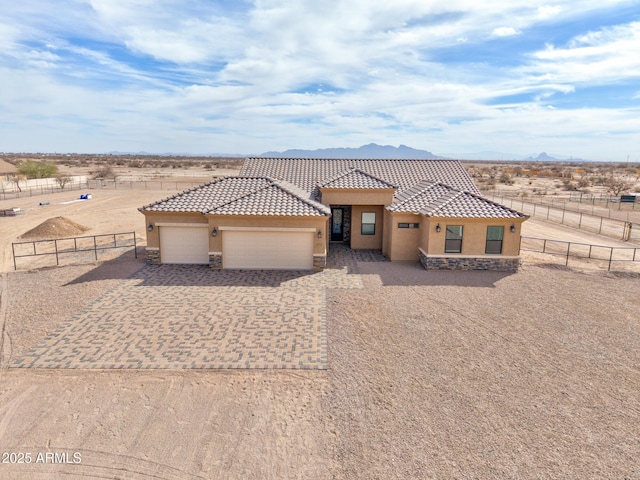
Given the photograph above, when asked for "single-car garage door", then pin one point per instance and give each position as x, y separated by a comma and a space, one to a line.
184, 244
268, 250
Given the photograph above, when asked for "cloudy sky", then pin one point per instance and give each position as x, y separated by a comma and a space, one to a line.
234, 76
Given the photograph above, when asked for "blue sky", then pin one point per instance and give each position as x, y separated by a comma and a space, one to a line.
198, 76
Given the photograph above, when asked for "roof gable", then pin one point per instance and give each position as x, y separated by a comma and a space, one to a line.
355, 178
273, 200
242, 196
438, 200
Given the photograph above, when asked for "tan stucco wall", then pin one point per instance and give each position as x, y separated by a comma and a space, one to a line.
403, 242
386, 237
356, 196
317, 223
153, 237
359, 241
215, 243
474, 235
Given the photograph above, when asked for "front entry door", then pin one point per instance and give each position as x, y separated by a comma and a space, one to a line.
337, 224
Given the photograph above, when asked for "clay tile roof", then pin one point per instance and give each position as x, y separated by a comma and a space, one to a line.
467, 205
273, 200
307, 173
208, 196
439, 200
241, 196
356, 179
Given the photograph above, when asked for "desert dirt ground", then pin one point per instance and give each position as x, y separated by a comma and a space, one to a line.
533, 375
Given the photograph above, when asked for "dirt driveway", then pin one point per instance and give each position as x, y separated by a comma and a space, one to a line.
430, 375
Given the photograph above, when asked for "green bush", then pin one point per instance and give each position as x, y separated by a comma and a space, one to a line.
34, 169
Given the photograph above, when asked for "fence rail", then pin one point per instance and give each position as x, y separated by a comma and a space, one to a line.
73, 245
148, 184
8, 194
169, 185
603, 253
603, 225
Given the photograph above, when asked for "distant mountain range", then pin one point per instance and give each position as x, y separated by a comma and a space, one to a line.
371, 150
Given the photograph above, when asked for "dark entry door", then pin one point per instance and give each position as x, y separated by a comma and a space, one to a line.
337, 224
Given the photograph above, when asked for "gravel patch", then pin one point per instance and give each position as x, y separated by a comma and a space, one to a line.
40, 301
485, 375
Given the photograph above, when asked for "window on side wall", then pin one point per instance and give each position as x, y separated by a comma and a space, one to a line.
453, 240
368, 223
494, 240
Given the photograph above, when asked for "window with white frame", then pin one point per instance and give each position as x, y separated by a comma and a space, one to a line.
368, 226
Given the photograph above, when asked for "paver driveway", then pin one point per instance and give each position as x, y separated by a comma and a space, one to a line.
179, 316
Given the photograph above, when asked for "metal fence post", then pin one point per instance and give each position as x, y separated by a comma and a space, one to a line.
610, 259
55, 246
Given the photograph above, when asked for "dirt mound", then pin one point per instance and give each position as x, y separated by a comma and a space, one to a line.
57, 227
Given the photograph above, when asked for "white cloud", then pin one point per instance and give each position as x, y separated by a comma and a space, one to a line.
601, 56
548, 11
505, 31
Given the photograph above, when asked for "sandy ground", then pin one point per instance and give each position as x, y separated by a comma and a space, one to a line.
109, 211
533, 375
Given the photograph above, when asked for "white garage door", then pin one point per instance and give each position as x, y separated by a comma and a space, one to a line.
184, 244
267, 250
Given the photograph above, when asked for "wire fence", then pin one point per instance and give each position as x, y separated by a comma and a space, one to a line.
168, 185
562, 213
624, 202
75, 249
601, 254
8, 194
178, 185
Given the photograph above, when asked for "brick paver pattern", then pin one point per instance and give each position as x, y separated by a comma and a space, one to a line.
188, 316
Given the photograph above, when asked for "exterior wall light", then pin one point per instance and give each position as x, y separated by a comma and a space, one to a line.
513, 228
438, 228
150, 227
214, 232
319, 233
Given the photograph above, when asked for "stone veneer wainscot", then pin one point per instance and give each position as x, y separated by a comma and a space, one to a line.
441, 262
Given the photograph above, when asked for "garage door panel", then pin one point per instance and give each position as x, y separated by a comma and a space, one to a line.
185, 245
267, 250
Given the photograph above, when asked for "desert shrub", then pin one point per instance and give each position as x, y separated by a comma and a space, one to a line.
34, 169
62, 180
506, 179
584, 183
105, 173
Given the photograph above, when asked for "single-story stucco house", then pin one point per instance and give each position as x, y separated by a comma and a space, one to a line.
284, 213
7, 171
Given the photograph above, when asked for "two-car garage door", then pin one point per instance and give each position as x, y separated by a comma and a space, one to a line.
261, 249
268, 250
